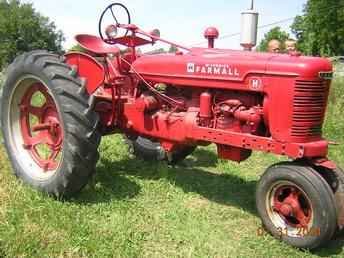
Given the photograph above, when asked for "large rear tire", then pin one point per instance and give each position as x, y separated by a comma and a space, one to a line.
296, 205
49, 125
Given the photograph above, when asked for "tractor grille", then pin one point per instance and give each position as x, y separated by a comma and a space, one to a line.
309, 108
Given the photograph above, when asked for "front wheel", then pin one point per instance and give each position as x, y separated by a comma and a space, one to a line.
296, 205
49, 125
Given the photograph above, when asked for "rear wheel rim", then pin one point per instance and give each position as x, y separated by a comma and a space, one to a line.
35, 128
289, 209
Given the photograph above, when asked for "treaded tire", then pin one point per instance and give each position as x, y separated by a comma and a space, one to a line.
335, 179
152, 151
78, 119
319, 194
339, 194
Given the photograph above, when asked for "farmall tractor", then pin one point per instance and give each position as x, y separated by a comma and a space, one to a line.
56, 108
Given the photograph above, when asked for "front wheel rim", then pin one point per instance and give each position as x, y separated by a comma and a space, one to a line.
289, 209
35, 128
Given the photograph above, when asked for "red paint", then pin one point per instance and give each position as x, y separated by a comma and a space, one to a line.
293, 206
46, 132
96, 45
205, 105
88, 68
240, 100
211, 33
233, 153
130, 41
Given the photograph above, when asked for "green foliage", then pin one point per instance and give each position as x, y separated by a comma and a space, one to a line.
77, 48
156, 51
320, 29
274, 33
23, 29
172, 49
2, 78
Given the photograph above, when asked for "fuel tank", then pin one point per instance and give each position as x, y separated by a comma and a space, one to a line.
218, 68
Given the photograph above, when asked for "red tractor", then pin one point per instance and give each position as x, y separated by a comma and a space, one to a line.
56, 108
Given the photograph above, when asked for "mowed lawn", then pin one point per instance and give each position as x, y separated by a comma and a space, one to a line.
203, 207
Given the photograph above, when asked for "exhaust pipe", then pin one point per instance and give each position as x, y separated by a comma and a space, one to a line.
249, 28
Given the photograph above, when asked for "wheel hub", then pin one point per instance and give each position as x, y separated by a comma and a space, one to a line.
293, 206
40, 127
286, 210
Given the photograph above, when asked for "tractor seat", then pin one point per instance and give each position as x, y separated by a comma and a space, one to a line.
96, 45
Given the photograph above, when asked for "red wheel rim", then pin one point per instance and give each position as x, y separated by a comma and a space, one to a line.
292, 205
40, 127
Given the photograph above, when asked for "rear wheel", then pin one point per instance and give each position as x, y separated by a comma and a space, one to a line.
152, 151
48, 124
296, 205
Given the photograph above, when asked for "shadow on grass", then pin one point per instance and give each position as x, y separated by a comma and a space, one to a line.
202, 158
333, 247
113, 182
106, 187
2, 252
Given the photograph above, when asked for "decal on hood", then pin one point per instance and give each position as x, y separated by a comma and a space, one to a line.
213, 69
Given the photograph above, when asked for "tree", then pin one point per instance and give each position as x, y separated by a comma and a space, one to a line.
320, 30
77, 48
274, 33
23, 29
172, 49
156, 51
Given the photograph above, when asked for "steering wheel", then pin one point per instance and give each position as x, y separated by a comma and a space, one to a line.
110, 8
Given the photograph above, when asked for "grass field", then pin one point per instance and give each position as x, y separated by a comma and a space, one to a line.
202, 208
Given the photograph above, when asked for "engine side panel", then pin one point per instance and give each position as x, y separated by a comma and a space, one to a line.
225, 69
203, 68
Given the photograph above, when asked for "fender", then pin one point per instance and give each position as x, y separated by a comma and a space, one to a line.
89, 68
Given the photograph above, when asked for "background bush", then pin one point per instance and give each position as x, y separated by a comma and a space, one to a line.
22, 29
2, 78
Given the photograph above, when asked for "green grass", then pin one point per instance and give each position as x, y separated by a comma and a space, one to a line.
202, 208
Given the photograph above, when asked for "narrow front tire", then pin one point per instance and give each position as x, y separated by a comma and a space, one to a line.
296, 205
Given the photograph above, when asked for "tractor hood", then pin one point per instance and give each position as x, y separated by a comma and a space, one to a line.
216, 67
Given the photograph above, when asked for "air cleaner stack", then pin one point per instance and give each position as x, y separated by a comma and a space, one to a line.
249, 28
